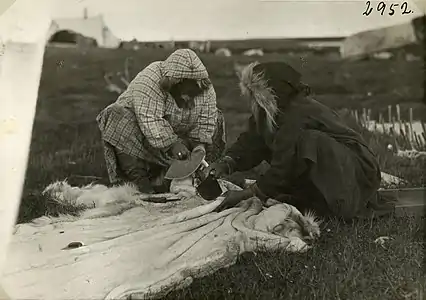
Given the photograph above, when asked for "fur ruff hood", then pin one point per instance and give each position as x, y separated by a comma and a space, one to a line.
254, 86
269, 86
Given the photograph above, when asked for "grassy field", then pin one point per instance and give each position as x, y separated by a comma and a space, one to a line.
346, 264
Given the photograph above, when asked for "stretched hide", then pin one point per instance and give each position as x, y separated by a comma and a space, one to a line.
145, 251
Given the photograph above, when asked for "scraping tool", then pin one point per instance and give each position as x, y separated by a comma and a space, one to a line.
180, 169
209, 188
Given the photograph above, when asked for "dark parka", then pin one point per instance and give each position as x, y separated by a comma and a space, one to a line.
313, 155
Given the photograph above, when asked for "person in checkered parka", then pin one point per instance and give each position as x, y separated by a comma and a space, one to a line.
168, 110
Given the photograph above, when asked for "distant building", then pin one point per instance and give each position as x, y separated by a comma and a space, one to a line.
406, 36
320, 43
82, 32
253, 52
281, 45
223, 52
200, 46
137, 45
130, 45
168, 45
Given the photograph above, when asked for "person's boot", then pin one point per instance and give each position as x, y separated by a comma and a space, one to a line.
135, 171
158, 182
144, 185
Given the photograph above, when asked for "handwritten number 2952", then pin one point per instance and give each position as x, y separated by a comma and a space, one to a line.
381, 7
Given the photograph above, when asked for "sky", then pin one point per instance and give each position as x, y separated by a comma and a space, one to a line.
229, 19
153, 20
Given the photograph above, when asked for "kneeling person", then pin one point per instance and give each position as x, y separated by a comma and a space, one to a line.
167, 110
316, 161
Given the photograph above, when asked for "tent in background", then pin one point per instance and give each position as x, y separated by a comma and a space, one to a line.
79, 30
383, 39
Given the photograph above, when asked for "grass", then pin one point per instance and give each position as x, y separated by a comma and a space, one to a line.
346, 264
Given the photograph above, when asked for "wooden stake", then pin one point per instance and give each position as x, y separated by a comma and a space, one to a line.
423, 126
364, 116
393, 124
404, 138
411, 123
394, 130
419, 146
422, 142
398, 113
389, 114
423, 130
408, 134
392, 133
382, 121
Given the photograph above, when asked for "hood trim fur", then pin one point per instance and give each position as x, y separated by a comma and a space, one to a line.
254, 86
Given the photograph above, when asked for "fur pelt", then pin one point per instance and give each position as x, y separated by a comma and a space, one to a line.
286, 221
92, 195
96, 200
100, 201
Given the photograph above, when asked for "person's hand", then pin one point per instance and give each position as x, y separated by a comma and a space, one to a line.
221, 167
232, 198
179, 151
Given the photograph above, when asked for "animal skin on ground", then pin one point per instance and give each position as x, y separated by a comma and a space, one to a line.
141, 249
101, 201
